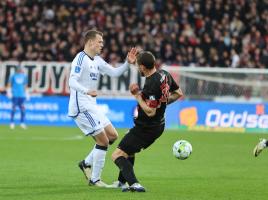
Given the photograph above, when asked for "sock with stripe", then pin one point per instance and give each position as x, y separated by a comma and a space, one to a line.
99, 154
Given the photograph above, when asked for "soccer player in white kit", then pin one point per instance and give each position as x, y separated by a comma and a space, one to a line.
85, 70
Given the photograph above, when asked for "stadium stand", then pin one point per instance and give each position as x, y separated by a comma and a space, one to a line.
225, 33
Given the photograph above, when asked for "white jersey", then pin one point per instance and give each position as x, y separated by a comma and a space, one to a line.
84, 76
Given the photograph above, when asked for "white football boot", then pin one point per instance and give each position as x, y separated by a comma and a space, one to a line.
98, 183
118, 184
85, 169
23, 126
259, 147
135, 187
12, 125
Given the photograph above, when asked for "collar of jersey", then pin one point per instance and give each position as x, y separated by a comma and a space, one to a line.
88, 56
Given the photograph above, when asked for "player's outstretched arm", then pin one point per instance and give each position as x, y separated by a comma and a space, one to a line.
117, 71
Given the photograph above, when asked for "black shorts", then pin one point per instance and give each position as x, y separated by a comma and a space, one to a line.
139, 138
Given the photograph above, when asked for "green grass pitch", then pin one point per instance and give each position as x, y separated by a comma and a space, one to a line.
41, 164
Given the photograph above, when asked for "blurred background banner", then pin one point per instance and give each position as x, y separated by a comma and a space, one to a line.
52, 111
49, 111
215, 98
217, 116
186, 114
51, 78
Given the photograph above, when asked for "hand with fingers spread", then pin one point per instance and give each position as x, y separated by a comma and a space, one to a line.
131, 56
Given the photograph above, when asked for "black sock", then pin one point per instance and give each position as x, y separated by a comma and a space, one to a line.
111, 142
121, 178
126, 169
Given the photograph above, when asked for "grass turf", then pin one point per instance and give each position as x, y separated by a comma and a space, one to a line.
41, 163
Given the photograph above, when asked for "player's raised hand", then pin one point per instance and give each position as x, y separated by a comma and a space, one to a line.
131, 56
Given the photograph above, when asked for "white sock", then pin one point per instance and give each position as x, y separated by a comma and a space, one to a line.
98, 164
89, 158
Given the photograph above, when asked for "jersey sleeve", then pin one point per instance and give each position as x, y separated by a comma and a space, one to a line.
108, 69
151, 94
173, 85
76, 71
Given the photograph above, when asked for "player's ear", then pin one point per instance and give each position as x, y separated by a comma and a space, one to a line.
143, 68
90, 42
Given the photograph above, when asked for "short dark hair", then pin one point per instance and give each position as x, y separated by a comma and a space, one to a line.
91, 34
147, 59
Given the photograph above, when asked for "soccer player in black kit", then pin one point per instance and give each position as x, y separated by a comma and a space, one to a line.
159, 90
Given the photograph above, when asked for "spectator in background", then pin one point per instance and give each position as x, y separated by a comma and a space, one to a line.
46, 30
235, 59
17, 91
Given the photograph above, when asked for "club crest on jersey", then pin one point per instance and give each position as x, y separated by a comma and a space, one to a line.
94, 76
151, 97
77, 69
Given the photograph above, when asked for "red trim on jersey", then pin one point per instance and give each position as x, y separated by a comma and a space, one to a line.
152, 103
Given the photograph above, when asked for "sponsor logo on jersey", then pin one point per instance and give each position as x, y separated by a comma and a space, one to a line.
152, 97
77, 69
94, 76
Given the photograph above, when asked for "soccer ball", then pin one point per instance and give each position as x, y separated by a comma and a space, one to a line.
182, 149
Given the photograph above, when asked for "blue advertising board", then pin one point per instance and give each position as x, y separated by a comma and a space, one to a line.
52, 111
207, 115
187, 115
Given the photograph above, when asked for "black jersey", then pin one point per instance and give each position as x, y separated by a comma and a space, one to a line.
155, 92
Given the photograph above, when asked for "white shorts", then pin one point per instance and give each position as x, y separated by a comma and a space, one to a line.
91, 123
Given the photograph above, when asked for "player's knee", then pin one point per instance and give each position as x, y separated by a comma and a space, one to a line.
101, 139
111, 132
104, 143
118, 153
114, 156
113, 136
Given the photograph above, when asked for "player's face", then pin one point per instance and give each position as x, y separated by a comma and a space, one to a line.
97, 44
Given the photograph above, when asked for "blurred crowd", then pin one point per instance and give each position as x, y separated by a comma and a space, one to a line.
224, 33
